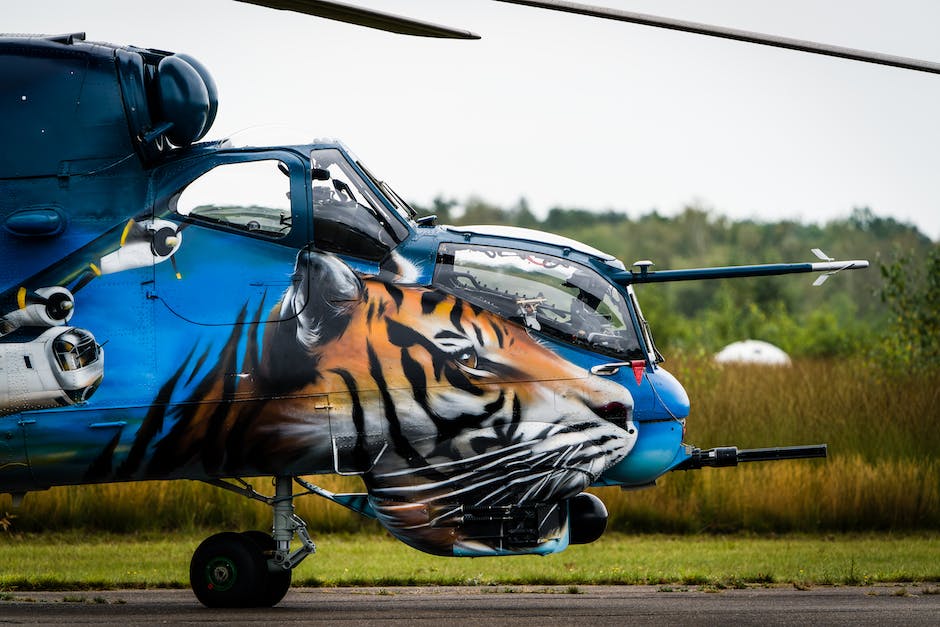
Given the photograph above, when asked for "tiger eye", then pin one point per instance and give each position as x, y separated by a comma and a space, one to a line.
468, 358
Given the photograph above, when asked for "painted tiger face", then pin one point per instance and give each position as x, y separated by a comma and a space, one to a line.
444, 403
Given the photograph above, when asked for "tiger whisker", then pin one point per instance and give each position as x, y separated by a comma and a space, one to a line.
475, 486
507, 461
428, 487
529, 475
557, 475
541, 476
548, 485
535, 489
456, 462
569, 453
470, 488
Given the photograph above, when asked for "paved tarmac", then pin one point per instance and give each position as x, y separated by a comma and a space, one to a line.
515, 605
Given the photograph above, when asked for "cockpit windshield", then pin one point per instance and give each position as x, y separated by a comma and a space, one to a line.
405, 210
548, 294
348, 218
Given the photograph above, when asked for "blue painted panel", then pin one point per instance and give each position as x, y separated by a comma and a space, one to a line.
670, 398
220, 273
14, 469
658, 448
65, 448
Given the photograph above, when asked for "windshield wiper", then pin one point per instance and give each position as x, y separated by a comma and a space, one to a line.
390, 193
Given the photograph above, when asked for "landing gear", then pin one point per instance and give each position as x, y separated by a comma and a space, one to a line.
251, 569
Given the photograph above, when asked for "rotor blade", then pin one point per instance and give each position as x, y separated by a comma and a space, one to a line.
731, 33
365, 17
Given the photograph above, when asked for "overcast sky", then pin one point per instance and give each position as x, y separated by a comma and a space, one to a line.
573, 111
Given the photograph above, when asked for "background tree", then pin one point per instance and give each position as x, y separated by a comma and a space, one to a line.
848, 316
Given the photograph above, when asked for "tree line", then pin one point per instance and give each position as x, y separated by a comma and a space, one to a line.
888, 311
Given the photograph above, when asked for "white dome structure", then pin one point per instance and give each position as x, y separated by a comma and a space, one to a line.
753, 352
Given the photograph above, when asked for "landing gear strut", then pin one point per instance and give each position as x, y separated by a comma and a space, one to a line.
251, 569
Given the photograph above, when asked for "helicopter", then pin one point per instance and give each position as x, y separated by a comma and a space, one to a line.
173, 308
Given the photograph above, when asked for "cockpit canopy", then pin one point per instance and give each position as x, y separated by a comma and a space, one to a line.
548, 294
348, 217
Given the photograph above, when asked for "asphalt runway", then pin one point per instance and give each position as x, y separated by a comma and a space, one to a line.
516, 605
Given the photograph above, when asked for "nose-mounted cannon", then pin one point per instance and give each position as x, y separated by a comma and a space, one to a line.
724, 456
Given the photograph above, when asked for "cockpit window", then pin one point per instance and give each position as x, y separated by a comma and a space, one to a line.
548, 294
251, 196
347, 216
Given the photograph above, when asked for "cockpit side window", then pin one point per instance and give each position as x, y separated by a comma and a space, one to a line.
551, 295
249, 196
347, 216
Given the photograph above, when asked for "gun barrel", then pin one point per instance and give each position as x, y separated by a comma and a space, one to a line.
724, 456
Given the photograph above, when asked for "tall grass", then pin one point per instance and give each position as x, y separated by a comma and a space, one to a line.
883, 472
176, 505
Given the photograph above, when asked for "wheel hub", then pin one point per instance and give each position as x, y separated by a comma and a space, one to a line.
221, 574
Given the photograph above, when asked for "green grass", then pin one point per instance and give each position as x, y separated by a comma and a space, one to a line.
71, 561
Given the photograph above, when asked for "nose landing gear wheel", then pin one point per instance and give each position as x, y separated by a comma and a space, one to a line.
229, 570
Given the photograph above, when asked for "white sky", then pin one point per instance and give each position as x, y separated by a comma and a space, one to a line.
573, 111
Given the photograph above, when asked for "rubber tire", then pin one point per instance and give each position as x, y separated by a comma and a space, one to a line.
278, 581
228, 570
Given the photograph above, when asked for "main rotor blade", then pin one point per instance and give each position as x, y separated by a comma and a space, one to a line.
366, 17
731, 33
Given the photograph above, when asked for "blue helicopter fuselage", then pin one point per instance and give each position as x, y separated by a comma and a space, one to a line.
148, 316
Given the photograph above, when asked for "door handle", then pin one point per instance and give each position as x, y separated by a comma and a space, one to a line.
607, 370
612, 368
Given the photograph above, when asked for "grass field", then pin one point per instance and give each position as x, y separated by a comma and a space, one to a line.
74, 561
